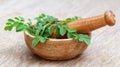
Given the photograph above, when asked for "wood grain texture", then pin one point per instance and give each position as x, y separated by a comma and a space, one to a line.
103, 51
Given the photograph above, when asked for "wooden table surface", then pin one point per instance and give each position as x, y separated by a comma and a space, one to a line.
104, 50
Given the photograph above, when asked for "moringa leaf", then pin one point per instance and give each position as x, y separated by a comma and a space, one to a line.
38, 39
20, 18
37, 32
10, 22
42, 15
62, 30
8, 27
51, 18
46, 33
68, 20
51, 29
84, 38
20, 27
38, 19
29, 30
57, 31
29, 22
71, 30
35, 42
69, 35
42, 39
75, 18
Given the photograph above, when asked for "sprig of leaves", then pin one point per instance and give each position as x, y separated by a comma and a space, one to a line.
61, 30
44, 28
19, 24
71, 19
72, 33
38, 39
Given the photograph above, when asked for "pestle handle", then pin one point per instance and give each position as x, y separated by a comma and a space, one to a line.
89, 24
110, 18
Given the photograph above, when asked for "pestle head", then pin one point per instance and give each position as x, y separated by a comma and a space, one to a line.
109, 18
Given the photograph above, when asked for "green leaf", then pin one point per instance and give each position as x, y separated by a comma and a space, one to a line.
51, 18
69, 35
43, 30
71, 30
15, 24
74, 34
35, 42
62, 30
68, 20
51, 29
42, 15
10, 22
75, 18
87, 41
37, 32
84, 38
46, 34
71, 19
20, 18
42, 39
39, 20
20, 27
38, 39
8, 27
39, 27
57, 31
29, 22
29, 30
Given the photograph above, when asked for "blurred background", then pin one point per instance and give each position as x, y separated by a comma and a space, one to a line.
103, 51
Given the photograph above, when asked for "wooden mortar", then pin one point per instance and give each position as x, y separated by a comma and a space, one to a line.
56, 49
62, 49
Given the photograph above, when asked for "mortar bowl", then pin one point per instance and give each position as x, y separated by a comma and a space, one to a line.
56, 49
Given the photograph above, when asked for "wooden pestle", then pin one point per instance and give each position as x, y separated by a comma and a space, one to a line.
90, 24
